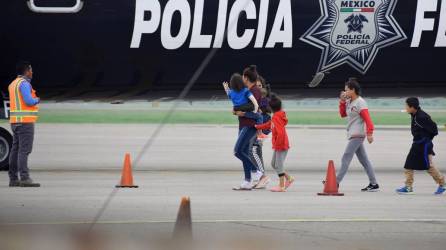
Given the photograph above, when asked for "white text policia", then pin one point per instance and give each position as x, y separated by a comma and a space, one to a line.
281, 31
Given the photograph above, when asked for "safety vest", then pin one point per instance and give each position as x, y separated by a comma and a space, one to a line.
20, 112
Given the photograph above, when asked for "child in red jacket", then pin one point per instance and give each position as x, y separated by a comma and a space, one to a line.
280, 142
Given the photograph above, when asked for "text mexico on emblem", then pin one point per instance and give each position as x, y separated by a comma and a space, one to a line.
352, 32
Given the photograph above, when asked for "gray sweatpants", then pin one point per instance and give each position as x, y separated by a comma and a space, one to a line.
355, 146
22, 145
278, 160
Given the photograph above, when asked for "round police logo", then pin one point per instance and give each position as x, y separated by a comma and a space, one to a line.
353, 31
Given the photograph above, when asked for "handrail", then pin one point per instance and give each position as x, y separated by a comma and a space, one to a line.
56, 10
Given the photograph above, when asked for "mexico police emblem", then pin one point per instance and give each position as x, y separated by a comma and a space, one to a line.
352, 32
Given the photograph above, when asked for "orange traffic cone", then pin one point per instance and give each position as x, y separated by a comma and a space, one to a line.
183, 225
127, 177
331, 185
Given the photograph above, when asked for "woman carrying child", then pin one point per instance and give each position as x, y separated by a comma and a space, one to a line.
247, 131
247, 121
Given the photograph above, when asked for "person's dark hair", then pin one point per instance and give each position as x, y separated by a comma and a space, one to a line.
413, 102
251, 73
261, 80
265, 85
353, 84
22, 67
236, 82
275, 103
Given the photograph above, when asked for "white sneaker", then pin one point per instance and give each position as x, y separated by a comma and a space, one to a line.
256, 176
245, 186
263, 182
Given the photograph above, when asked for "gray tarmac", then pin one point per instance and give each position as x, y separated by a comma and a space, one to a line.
206, 147
78, 166
68, 202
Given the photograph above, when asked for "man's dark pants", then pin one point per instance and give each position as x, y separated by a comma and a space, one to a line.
22, 144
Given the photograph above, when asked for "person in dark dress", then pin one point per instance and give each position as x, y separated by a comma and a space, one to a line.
420, 155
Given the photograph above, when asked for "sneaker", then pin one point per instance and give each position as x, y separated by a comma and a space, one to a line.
440, 190
405, 190
371, 188
14, 183
262, 183
289, 181
28, 183
278, 189
256, 176
245, 186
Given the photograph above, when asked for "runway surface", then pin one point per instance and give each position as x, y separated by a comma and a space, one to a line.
78, 166
206, 147
69, 200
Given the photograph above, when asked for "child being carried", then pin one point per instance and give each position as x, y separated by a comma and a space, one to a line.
242, 99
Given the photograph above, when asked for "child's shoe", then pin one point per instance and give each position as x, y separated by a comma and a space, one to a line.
256, 177
405, 190
278, 189
245, 186
440, 190
262, 183
289, 181
371, 188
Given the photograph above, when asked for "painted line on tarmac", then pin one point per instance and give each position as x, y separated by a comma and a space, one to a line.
223, 221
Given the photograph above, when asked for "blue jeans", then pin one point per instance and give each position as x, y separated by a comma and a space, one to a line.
243, 149
255, 116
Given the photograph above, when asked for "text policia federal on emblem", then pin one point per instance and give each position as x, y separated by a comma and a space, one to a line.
353, 32
356, 26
